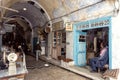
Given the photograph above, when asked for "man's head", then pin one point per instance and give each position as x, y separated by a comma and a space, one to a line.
103, 44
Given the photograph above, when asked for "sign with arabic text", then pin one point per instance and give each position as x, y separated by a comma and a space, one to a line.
102, 22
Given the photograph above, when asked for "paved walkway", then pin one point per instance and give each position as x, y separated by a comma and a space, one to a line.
37, 71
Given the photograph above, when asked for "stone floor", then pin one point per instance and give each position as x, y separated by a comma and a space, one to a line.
37, 71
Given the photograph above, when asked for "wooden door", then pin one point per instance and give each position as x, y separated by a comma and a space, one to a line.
56, 48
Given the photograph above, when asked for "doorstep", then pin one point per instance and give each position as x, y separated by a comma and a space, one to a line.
75, 69
85, 72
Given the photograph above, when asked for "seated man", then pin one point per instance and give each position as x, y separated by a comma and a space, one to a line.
99, 62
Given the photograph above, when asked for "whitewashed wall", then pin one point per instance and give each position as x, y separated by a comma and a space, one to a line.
69, 40
67, 6
69, 45
116, 43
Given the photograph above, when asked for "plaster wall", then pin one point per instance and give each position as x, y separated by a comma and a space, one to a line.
66, 7
115, 43
69, 45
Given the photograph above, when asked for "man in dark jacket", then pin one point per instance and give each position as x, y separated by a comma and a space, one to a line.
38, 50
99, 62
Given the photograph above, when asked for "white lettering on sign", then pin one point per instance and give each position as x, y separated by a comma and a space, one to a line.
93, 24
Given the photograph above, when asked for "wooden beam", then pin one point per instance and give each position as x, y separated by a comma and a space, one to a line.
10, 9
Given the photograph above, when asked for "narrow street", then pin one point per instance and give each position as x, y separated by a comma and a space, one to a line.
37, 71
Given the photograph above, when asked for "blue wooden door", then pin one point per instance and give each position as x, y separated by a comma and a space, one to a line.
81, 48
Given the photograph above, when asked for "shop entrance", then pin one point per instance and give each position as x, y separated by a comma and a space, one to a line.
88, 44
94, 37
95, 31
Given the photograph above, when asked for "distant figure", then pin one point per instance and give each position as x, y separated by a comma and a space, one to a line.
99, 62
38, 50
38, 47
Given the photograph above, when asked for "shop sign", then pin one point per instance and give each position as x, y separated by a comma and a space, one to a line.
68, 26
57, 26
93, 24
100, 23
9, 27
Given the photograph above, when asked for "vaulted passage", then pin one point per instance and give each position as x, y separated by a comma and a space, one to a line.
45, 39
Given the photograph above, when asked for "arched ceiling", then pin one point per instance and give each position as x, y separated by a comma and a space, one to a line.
48, 5
75, 10
35, 16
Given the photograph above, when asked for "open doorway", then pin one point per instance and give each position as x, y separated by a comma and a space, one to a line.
94, 37
59, 47
89, 46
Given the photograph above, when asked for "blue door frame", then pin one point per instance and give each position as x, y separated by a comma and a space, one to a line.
81, 48
92, 24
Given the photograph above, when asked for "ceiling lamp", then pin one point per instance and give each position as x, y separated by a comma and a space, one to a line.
2, 31
24, 9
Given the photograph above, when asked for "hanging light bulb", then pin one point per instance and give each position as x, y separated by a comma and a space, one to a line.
2, 31
116, 10
117, 4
